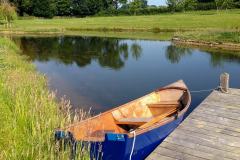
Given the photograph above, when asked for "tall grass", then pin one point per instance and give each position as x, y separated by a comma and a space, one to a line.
29, 113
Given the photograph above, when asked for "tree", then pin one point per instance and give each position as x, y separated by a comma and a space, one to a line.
120, 2
227, 4
23, 6
172, 5
219, 4
86, 7
224, 4
137, 4
236, 3
123, 2
188, 4
8, 12
44, 8
64, 7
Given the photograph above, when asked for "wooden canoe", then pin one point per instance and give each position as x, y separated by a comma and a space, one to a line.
149, 117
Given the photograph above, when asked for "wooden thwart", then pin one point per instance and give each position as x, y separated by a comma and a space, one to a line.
158, 118
145, 122
171, 107
164, 104
133, 121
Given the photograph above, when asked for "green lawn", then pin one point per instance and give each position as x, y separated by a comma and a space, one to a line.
219, 25
210, 20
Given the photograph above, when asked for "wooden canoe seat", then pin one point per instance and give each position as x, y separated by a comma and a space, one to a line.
144, 122
165, 108
133, 121
164, 104
158, 118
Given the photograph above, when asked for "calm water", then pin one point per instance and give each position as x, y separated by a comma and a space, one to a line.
102, 73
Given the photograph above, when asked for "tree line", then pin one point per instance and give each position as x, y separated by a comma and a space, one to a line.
183, 5
82, 8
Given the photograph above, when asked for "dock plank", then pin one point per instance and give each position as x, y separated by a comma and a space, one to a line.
177, 155
206, 125
211, 131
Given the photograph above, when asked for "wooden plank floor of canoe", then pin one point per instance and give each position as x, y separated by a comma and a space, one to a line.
211, 131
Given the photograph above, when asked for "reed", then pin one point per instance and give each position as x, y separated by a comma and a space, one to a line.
29, 113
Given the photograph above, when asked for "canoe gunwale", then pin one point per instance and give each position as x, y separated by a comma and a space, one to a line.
179, 85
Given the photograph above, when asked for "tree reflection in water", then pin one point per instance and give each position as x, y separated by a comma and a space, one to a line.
136, 51
174, 53
108, 52
217, 58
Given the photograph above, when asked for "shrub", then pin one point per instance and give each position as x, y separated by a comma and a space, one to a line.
206, 6
44, 8
140, 11
8, 13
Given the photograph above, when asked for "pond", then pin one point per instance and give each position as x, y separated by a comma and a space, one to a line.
102, 73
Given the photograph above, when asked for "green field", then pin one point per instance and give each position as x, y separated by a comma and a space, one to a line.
195, 24
204, 20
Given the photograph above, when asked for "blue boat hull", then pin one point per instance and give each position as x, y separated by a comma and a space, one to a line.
118, 147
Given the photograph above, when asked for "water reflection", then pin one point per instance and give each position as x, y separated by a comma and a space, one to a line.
174, 53
108, 52
105, 72
80, 50
217, 58
136, 51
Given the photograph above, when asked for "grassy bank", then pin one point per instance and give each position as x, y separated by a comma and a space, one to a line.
217, 36
218, 25
29, 113
129, 35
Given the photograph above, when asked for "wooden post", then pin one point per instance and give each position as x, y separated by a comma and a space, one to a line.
224, 82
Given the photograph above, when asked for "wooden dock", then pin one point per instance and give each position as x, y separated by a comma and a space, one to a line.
211, 131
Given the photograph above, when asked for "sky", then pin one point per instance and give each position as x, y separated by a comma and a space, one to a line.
157, 2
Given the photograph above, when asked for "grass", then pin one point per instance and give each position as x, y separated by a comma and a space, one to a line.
210, 20
29, 113
219, 25
223, 36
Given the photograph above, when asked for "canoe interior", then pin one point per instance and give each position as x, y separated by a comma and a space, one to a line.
135, 115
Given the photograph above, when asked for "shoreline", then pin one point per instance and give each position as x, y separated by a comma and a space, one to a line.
225, 46
144, 35
147, 35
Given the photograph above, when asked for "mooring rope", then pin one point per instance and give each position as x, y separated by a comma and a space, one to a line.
133, 145
205, 90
